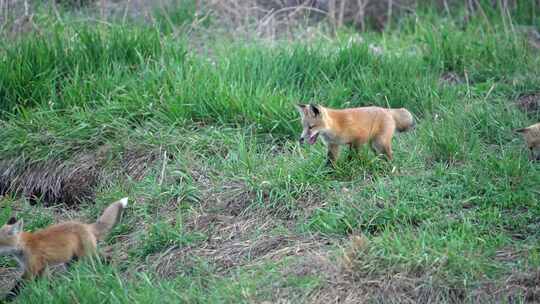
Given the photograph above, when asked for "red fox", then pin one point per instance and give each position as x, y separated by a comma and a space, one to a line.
353, 127
56, 244
532, 137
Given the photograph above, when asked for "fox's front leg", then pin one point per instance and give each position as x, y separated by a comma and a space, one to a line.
353, 150
34, 269
333, 153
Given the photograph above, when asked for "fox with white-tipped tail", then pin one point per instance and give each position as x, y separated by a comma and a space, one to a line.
56, 244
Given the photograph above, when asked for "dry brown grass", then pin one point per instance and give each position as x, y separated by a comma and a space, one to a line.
236, 234
450, 78
347, 281
51, 181
529, 103
248, 18
7, 275
70, 181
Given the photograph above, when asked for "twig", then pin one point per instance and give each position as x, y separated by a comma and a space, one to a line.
332, 14
295, 9
341, 13
468, 84
162, 175
361, 14
503, 15
390, 5
489, 92
56, 12
128, 2
446, 7
102, 9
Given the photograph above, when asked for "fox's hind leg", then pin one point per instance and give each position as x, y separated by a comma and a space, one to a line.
382, 142
73, 260
354, 147
87, 246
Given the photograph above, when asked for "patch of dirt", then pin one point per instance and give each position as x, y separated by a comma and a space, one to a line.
508, 254
310, 201
236, 234
533, 37
345, 284
238, 203
137, 162
233, 240
249, 252
344, 287
450, 78
9, 276
527, 284
229, 198
227, 255
529, 103
7, 280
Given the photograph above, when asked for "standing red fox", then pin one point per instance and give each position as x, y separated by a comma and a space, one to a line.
56, 244
353, 127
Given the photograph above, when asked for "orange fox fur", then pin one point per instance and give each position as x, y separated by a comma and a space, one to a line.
532, 137
56, 244
353, 127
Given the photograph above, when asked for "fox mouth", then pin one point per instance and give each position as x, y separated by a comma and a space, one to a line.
313, 138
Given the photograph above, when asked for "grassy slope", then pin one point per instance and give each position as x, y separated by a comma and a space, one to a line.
233, 210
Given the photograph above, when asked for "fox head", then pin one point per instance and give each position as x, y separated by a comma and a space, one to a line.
312, 122
9, 235
532, 137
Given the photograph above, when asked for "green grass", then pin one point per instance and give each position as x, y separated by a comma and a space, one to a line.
230, 193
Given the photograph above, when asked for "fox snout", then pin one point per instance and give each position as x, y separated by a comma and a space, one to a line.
310, 136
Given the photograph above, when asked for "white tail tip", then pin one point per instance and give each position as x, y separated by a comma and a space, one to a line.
124, 202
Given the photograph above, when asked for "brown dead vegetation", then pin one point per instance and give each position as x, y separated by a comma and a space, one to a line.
450, 78
137, 162
51, 181
247, 18
6, 278
529, 103
67, 182
348, 281
227, 255
236, 235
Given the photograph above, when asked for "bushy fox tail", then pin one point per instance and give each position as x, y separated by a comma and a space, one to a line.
403, 118
109, 218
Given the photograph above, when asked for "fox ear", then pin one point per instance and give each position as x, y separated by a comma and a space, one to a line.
523, 130
302, 109
16, 228
314, 109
